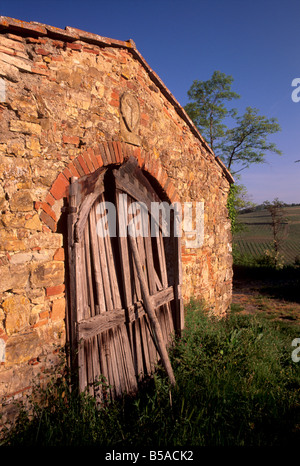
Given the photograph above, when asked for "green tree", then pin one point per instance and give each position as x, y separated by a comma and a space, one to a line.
279, 226
246, 143
242, 144
237, 200
208, 109
239, 146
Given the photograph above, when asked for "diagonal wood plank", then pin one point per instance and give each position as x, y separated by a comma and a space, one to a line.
151, 313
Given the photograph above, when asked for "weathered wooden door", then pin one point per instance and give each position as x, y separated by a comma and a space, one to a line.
111, 334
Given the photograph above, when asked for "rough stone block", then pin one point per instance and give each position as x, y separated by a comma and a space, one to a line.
17, 310
25, 127
43, 241
21, 201
13, 276
22, 347
48, 274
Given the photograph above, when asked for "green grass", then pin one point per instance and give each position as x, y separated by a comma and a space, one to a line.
256, 238
236, 385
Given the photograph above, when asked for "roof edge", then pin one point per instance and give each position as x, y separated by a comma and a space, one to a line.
73, 34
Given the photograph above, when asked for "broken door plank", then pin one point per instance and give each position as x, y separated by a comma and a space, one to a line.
151, 313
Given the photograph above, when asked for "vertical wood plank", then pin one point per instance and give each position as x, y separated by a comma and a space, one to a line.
177, 287
120, 361
133, 351
96, 262
72, 216
112, 273
105, 344
149, 263
104, 270
144, 345
151, 313
114, 363
88, 271
78, 250
123, 245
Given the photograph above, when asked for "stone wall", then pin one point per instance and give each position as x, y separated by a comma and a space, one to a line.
60, 116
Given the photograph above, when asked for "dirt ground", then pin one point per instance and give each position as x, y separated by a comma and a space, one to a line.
277, 297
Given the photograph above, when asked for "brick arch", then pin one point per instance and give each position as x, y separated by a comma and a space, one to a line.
106, 153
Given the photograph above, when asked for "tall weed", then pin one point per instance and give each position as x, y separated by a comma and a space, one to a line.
236, 384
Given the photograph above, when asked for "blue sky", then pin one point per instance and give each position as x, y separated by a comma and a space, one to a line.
256, 42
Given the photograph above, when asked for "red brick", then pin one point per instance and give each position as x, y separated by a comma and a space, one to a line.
54, 290
46, 208
78, 167
110, 55
121, 157
58, 44
165, 186
162, 178
115, 95
59, 255
107, 152
58, 309
40, 323
98, 156
114, 103
154, 167
124, 148
46, 229
141, 158
50, 199
73, 170
32, 40
185, 258
147, 161
48, 221
14, 37
175, 197
170, 190
167, 113
71, 139
71, 45
57, 58
44, 315
99, 160
59, 187
83, 164
41, 51
93, 158
88, 161
94, 51
116, 151
113, 156
67, 173
40, 69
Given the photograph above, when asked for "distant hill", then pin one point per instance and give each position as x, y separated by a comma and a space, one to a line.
257, 236
260, 207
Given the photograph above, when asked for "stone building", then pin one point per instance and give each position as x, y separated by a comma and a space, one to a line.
72, 102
